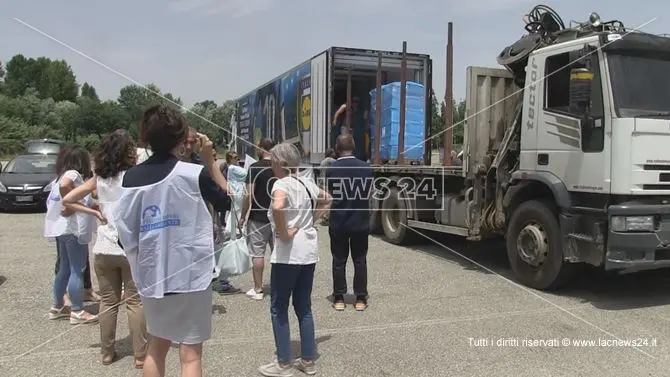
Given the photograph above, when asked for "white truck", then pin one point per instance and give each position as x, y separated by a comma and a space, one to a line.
565, 151
565, 155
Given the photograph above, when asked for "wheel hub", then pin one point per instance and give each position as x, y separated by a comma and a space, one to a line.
532, 245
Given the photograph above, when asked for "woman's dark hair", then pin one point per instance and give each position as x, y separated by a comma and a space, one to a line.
230, 156
163, 129
115, 154
74, 158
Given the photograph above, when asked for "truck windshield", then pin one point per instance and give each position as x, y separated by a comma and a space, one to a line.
640, 85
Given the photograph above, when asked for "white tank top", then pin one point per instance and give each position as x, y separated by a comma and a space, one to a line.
166, 232
109, 191
79, 224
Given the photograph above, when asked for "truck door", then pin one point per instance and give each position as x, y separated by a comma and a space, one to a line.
569, 145
317, 133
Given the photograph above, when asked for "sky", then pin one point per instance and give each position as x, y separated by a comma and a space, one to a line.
221, 49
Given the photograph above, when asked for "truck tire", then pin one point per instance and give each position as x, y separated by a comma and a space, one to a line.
394, 218
535, 246
375, 217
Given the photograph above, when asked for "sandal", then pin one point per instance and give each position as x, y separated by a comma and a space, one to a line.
139, 363
360, 305
82, 317
339, 305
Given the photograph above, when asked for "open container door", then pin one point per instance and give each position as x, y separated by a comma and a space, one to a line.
317, 134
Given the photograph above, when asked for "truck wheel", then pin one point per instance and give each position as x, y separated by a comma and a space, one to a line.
375, 217
535, 246
394, 218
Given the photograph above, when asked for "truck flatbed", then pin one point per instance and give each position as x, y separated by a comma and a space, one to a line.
410, 170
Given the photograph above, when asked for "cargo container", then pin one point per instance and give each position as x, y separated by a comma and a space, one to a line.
298, 106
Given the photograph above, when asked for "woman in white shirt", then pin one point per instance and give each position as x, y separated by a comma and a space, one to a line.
115, 155
73, 234
296, 203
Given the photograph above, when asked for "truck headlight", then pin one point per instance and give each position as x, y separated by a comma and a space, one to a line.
632, 224
47, 188
3, 189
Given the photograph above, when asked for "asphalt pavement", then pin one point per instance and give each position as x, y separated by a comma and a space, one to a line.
432, 313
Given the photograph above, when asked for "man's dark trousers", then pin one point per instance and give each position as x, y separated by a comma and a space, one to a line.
349, 222
341, 245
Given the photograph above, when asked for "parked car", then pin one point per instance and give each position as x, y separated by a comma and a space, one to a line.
25, 182
43, 146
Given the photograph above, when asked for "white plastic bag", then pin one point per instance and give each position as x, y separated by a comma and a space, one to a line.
233, 258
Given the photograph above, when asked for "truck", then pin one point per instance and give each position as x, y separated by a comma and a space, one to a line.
298, 105
563, 155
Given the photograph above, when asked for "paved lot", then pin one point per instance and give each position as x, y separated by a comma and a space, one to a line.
426, 303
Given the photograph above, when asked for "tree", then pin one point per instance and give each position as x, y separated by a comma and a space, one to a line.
17, 75
41, 98
222, 116
135, 99
201, 118
58, 81
89, 92
216, 122
51, 79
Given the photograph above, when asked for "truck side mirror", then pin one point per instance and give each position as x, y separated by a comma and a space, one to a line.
580, 90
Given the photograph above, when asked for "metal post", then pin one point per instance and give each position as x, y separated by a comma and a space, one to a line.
378, 112
403, 104
448, 112
349, 112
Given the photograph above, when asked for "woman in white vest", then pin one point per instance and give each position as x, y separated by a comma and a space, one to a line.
296, 204
73, 234
165, 229
114, 156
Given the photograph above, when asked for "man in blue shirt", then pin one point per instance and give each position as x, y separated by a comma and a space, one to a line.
349, 181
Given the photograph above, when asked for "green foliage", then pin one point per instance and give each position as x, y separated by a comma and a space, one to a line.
87, 91
213, 120
40, 98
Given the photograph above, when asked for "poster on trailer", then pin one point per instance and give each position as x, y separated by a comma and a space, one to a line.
280, 110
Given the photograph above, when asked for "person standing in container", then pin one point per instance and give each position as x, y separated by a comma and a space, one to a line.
359, 126
165, 229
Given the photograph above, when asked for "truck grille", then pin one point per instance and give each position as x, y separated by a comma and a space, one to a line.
656, 167
656, 187
660, 182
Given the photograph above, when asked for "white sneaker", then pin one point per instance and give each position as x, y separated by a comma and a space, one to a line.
254, 295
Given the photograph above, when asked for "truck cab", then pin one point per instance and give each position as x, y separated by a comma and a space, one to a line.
593, 131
